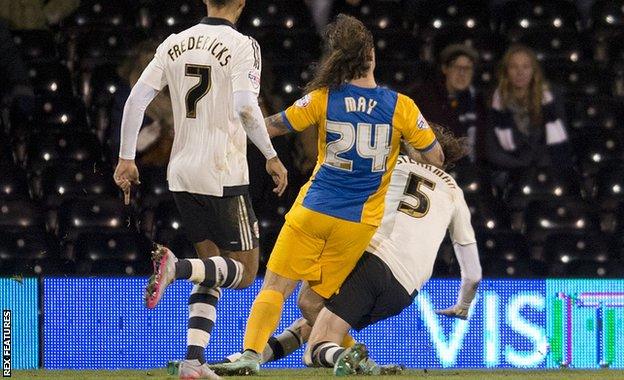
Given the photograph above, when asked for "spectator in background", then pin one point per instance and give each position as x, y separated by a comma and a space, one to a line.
452, 100
35, 14
156, 134
525, 128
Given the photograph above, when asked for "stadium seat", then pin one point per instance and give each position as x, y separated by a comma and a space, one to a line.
50, 79
166, 223
502, 244
48, 150
378, 15
99, 85
401, 76
554, 46
54, 113
13, 184
587, 113
288, 46
607, 16
488, 214
99, 14
600, 149
96, 214
73, 180
154, 188
36, 46
487, 44
396, 46
275, 14
290, 80
519, 16
435, 17
544, 218
161, 17
27, 244
112, 253
564, 249
95, 48
579, 80
19, 215
543, 184
609, 185
501, 267
473, 180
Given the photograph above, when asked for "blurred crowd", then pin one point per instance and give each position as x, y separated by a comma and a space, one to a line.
492, 88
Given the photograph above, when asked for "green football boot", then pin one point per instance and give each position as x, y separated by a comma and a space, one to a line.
248, 364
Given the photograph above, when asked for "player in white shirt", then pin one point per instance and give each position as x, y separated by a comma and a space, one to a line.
213, 75
422, 202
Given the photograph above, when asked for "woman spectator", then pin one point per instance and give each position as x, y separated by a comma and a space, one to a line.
526, 129
452, 100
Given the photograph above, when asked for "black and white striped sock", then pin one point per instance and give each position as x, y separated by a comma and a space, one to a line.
281, 345
325, 354
217, 271
202, 316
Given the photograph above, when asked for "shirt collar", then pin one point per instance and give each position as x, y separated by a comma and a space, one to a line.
217, 21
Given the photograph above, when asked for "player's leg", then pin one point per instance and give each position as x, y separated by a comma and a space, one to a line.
231, 224
311, 303
294, 257
345, 309
202, 307
370, 294
264, 317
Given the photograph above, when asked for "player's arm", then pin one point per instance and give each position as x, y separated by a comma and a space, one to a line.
152, 80
465, 247
245, 77
276, 126
303, 114
416, 131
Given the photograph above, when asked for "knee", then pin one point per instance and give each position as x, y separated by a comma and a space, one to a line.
310, 307
248, 278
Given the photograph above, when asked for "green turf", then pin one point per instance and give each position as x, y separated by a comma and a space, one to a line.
326, 374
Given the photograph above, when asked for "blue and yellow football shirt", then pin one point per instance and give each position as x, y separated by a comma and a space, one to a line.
359, 133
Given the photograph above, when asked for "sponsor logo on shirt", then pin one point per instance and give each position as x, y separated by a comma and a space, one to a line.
254, 77
303, 102
422, 123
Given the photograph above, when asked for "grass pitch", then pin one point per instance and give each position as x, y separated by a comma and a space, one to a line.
309, 373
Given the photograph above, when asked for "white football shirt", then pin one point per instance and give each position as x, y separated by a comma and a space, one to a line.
203, 66
422, 202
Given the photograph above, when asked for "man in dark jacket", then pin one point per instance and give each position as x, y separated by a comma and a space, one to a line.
452, 101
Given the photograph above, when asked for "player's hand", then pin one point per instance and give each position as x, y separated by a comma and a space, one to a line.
278, 172
126, 174
455, 311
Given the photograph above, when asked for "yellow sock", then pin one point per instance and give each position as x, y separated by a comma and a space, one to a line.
348, 341
265, 315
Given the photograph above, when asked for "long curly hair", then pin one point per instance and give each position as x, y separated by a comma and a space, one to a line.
536, 88
453, 147
348, 53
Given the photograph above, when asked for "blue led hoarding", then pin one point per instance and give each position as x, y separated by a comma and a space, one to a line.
102, 323
20, 297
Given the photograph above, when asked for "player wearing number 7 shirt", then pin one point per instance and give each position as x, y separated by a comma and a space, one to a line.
360, 126
213, 75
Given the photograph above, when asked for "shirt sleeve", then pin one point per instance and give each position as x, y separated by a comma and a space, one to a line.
412, 124
154, 74
247, 67
307, 111
460, 228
